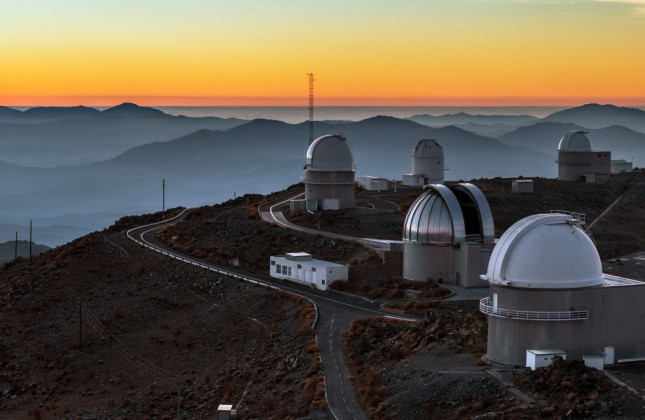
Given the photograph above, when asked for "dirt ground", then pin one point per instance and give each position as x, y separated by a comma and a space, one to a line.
102, 328
433, 370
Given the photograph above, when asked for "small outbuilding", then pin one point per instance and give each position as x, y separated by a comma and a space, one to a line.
301, 267
621, 166
372, 183
522, 186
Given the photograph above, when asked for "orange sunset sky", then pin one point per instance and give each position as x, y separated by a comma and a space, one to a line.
377, 52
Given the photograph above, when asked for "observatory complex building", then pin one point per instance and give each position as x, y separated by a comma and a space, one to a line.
427, 164
329, 174
448, 235
577, 161
547, 291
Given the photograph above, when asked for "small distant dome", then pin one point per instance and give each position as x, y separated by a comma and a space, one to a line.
428, 148
435, 218
575, 141
545, 251
330, 152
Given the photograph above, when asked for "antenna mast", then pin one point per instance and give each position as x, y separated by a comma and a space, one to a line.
311, 107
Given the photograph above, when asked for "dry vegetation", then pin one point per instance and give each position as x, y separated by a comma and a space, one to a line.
394, 288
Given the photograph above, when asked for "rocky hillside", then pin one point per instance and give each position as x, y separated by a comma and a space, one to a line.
102, 328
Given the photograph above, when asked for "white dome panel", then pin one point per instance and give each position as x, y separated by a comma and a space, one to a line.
545, 251
330, 152
575, 141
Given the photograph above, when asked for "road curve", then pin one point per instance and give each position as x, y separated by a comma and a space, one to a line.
271, 213
333, 316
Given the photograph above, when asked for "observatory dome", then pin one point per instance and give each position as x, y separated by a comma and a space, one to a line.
435, 218
428, 148
575, 141
545, 251
330, 152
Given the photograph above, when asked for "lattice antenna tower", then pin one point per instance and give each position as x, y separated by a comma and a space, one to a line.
311, 107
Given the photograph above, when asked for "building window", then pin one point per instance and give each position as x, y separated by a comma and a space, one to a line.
313, 268
272, 262
299, 265
278, 269
323, 282
289, 273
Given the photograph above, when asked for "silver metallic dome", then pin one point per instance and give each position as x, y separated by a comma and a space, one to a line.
435, 218
330, 152
575, 141
444, 215
545, 251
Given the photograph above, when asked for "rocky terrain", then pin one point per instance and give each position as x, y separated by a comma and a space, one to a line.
102, 328
433, 369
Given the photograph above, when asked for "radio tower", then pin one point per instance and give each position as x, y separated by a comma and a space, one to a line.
311, 107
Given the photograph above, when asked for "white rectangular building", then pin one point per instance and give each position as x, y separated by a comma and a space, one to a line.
372, 183
522, 186
302, 268
541, 358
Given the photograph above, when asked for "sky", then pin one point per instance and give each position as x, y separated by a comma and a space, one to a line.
362, 52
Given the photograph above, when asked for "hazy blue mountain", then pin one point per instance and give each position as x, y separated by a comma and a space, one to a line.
599, 116
130, 110
89, 140
465, 118
9, 114
492, 130
57, 113
623, 143
8, 250
209, 166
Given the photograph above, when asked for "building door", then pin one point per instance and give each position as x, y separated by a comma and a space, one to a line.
307, 276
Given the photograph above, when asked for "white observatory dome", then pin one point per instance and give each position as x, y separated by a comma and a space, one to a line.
428, 148
545, 251
330, 152
435, 218
575, 141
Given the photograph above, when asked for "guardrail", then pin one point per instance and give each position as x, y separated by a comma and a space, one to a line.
486, 308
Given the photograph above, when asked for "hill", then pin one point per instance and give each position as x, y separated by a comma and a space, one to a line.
80, 135
7, 250
600, 116
465, 118
544, 137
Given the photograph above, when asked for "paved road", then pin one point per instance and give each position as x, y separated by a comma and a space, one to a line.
335, 312
271, 213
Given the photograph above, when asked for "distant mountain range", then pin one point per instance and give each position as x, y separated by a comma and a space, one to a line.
128, 150
465, 118
50, 136
8, 250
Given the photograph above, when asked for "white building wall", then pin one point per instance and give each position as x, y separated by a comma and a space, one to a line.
313, 272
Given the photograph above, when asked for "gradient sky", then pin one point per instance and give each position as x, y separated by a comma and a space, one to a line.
363, 52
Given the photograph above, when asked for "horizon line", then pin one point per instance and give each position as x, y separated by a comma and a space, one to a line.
274, 101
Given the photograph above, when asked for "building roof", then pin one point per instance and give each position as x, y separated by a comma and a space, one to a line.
575, 141
331, 152
313, 262
428, 148
545, 251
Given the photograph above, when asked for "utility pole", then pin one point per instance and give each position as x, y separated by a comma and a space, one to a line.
311, 107
30, 241
80, 324
15, 251
163, 199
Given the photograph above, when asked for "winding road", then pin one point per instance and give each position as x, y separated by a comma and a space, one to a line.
334, 314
